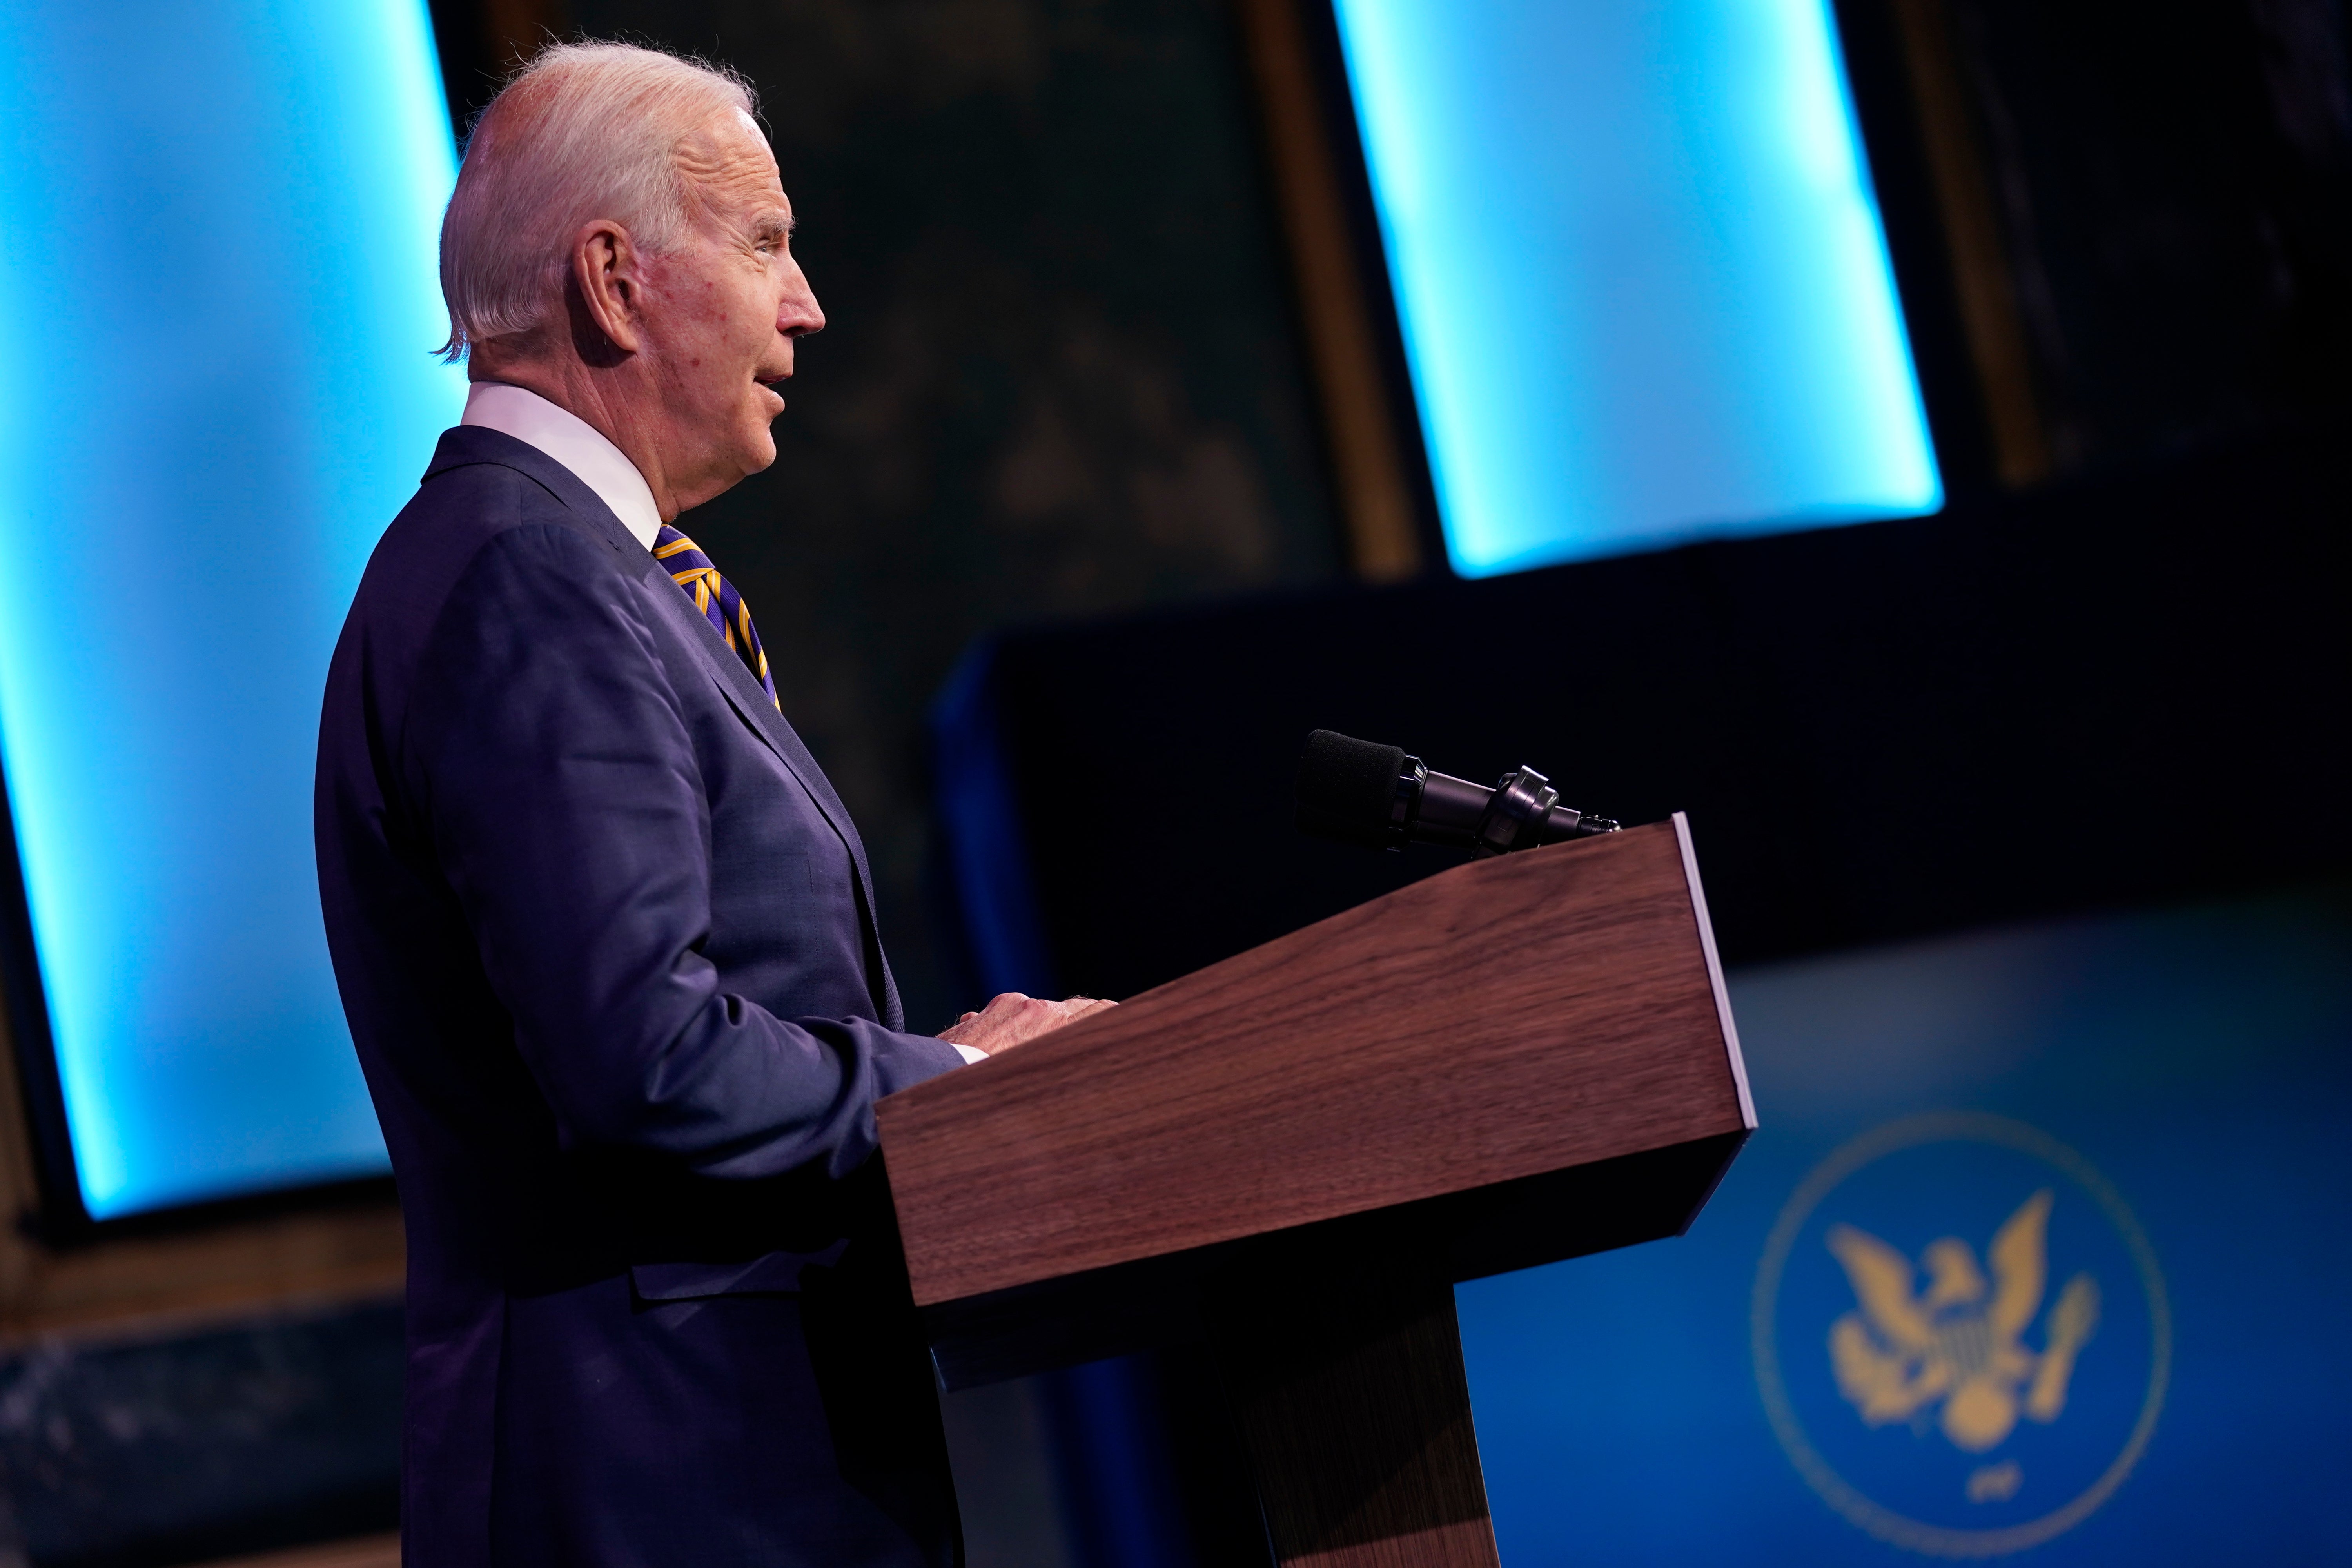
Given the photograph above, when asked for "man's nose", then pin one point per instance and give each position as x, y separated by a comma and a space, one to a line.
797, 313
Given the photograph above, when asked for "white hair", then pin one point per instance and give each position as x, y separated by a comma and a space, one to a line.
584, 131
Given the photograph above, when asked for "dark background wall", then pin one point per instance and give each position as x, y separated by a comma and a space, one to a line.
2094, 697
2171, 178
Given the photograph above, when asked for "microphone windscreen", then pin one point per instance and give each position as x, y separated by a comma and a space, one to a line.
1347, 788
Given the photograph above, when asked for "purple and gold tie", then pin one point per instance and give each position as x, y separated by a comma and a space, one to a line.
716, 597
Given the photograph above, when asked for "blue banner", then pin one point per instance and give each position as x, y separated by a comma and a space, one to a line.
2040, 1247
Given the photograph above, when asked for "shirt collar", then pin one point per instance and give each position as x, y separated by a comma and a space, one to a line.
572, 442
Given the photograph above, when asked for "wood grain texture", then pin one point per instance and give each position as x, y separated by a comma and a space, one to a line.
1470, 1544
1154, 1302
1504, 1019
1345, 1374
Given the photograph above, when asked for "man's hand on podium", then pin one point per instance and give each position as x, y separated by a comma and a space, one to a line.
1014, 1019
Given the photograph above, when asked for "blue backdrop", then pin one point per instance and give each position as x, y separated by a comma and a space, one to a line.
2040, 1246
218, 299
1640, 269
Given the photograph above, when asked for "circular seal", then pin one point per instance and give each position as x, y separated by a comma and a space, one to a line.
1960, 1333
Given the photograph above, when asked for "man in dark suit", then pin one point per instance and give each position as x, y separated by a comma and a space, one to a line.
605, 933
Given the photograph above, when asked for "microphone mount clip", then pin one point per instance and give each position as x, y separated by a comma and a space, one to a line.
1515, 817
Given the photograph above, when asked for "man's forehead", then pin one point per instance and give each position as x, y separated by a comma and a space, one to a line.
730, 162
749, 141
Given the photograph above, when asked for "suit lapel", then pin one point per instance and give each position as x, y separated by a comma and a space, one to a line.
751, 703
475, 444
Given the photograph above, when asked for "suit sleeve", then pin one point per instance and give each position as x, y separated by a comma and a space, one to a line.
550, 763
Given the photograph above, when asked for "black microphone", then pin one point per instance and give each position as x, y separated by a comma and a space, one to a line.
1359, 792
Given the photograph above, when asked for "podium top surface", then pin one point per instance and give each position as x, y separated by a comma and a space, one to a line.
1506, 1018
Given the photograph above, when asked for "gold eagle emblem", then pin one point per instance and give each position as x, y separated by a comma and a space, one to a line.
1961, 1340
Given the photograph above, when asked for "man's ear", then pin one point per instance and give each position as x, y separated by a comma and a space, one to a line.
607, 283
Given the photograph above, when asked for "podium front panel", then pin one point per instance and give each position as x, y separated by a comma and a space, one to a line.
1502, 1021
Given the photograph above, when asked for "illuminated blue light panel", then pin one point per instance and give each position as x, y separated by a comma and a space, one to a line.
1640, 269
218, 299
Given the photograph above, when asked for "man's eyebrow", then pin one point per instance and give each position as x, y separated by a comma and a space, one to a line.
772, 225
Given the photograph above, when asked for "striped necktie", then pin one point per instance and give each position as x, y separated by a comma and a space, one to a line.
716, 597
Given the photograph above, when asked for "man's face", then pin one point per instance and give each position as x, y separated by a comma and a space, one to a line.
723, 309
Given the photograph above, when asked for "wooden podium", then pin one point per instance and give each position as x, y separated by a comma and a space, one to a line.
1297, 1152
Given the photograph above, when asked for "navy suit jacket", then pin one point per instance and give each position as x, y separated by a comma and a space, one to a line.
605, 938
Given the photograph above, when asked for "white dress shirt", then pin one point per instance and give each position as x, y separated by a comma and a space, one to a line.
592, 460
573, 442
